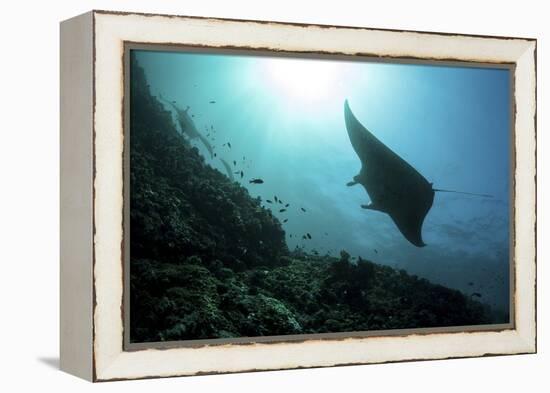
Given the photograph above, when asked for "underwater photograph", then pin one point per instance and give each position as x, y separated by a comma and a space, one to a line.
282, 195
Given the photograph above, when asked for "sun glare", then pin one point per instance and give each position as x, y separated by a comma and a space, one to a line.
309, 80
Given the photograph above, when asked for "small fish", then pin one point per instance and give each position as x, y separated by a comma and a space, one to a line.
212, 102
326, 234
303, 209
291, 235
476, 294
285, 220
256, 181
281, 202
276, 199
192, 115
287, 205
229, 145
234, 163
268, 201
304, 237
282, 210
375, 251
236, 173
242, 174
211, 127
215, 154
308, 235
470, 283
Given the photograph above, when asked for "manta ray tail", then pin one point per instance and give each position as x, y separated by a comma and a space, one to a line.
466, 193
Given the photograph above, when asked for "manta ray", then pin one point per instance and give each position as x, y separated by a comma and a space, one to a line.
187, 125
393, 185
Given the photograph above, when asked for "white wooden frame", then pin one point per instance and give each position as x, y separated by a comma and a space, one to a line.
92, 89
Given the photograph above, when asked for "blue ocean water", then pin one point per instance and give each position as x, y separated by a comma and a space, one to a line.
281, 119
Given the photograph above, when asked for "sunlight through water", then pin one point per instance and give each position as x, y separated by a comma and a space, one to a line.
310, 84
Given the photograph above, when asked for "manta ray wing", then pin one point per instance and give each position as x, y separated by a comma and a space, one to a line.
393, 185
228, 169
409, 222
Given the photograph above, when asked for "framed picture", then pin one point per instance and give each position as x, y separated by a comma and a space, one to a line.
245, 195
